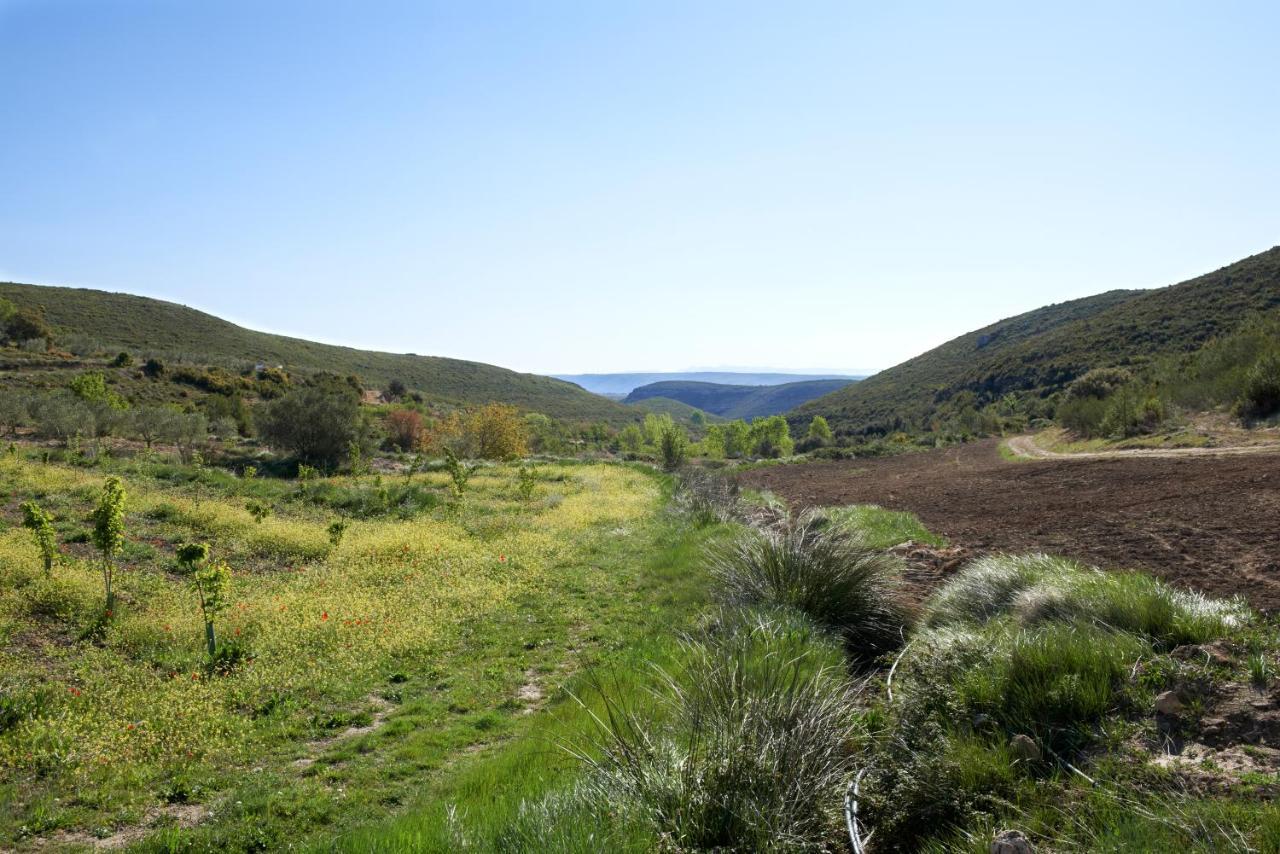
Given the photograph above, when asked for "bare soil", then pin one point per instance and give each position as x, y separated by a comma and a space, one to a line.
1203, 521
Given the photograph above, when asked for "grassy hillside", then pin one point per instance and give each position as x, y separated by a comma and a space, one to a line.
149, 326
739, 401
683, 413
1041, 351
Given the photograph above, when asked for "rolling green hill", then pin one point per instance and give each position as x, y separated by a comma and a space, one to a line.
683, 413
1041, 351
739, 401
154, 327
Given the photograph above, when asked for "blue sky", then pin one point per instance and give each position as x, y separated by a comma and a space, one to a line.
576, 187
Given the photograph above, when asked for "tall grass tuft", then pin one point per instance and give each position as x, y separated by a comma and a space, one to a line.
823, 570
1037, 589
748, 748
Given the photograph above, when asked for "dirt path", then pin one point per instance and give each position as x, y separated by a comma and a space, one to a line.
1026, 447
1205, 521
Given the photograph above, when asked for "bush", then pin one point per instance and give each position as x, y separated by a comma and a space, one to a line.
820, 569
1098, 383
493, 432
405, 430
748, 749
673, 443
27, 325
771, 437
316, 423
1261, 395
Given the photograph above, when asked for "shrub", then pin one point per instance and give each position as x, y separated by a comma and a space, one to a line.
1098, 383
316, 423
1083, 416
673, 443
459, 472
748, 750
27, 325
63, 416
153, 368
771, 437
498, 432
1133, 412
1261, 395
819, 431
823, 570
405, 430
40, 524
631, 438
122, 360
396, 389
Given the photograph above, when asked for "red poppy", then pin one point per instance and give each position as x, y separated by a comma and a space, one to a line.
324, 616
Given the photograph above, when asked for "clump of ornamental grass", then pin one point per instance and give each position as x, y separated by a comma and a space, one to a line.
706, 497
1036, 589
826, 572
748, 747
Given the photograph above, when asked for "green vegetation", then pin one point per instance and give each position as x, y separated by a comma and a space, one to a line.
683, 413
422, 628
820, 569
87, 322
1005, 373
737, 401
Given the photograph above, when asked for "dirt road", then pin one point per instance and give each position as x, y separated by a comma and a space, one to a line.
1026, 446
1205, 521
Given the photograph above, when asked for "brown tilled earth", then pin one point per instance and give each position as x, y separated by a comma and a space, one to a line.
1210, 523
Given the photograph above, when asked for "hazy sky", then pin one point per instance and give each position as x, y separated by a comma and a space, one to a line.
615, 185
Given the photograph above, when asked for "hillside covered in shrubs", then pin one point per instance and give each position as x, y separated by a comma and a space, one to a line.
83, 321
1016, 367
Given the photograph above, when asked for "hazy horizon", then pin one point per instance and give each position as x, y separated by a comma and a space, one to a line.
570, 189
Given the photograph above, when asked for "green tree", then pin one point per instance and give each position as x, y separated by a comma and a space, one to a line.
108, 533
819, 431
673, 443
41, 526
150, 423
631, 438
771, 437
318, 423
27, 325
212, 583
737, 439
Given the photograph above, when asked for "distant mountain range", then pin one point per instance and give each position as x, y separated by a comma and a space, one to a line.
1040, 352
738, 401
621, 385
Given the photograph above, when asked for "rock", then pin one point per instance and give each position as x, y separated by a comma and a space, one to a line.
1025, 747
1169, 704
1010, 842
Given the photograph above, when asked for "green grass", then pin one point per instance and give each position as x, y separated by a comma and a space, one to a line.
438, 622
110, 322
882, 529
